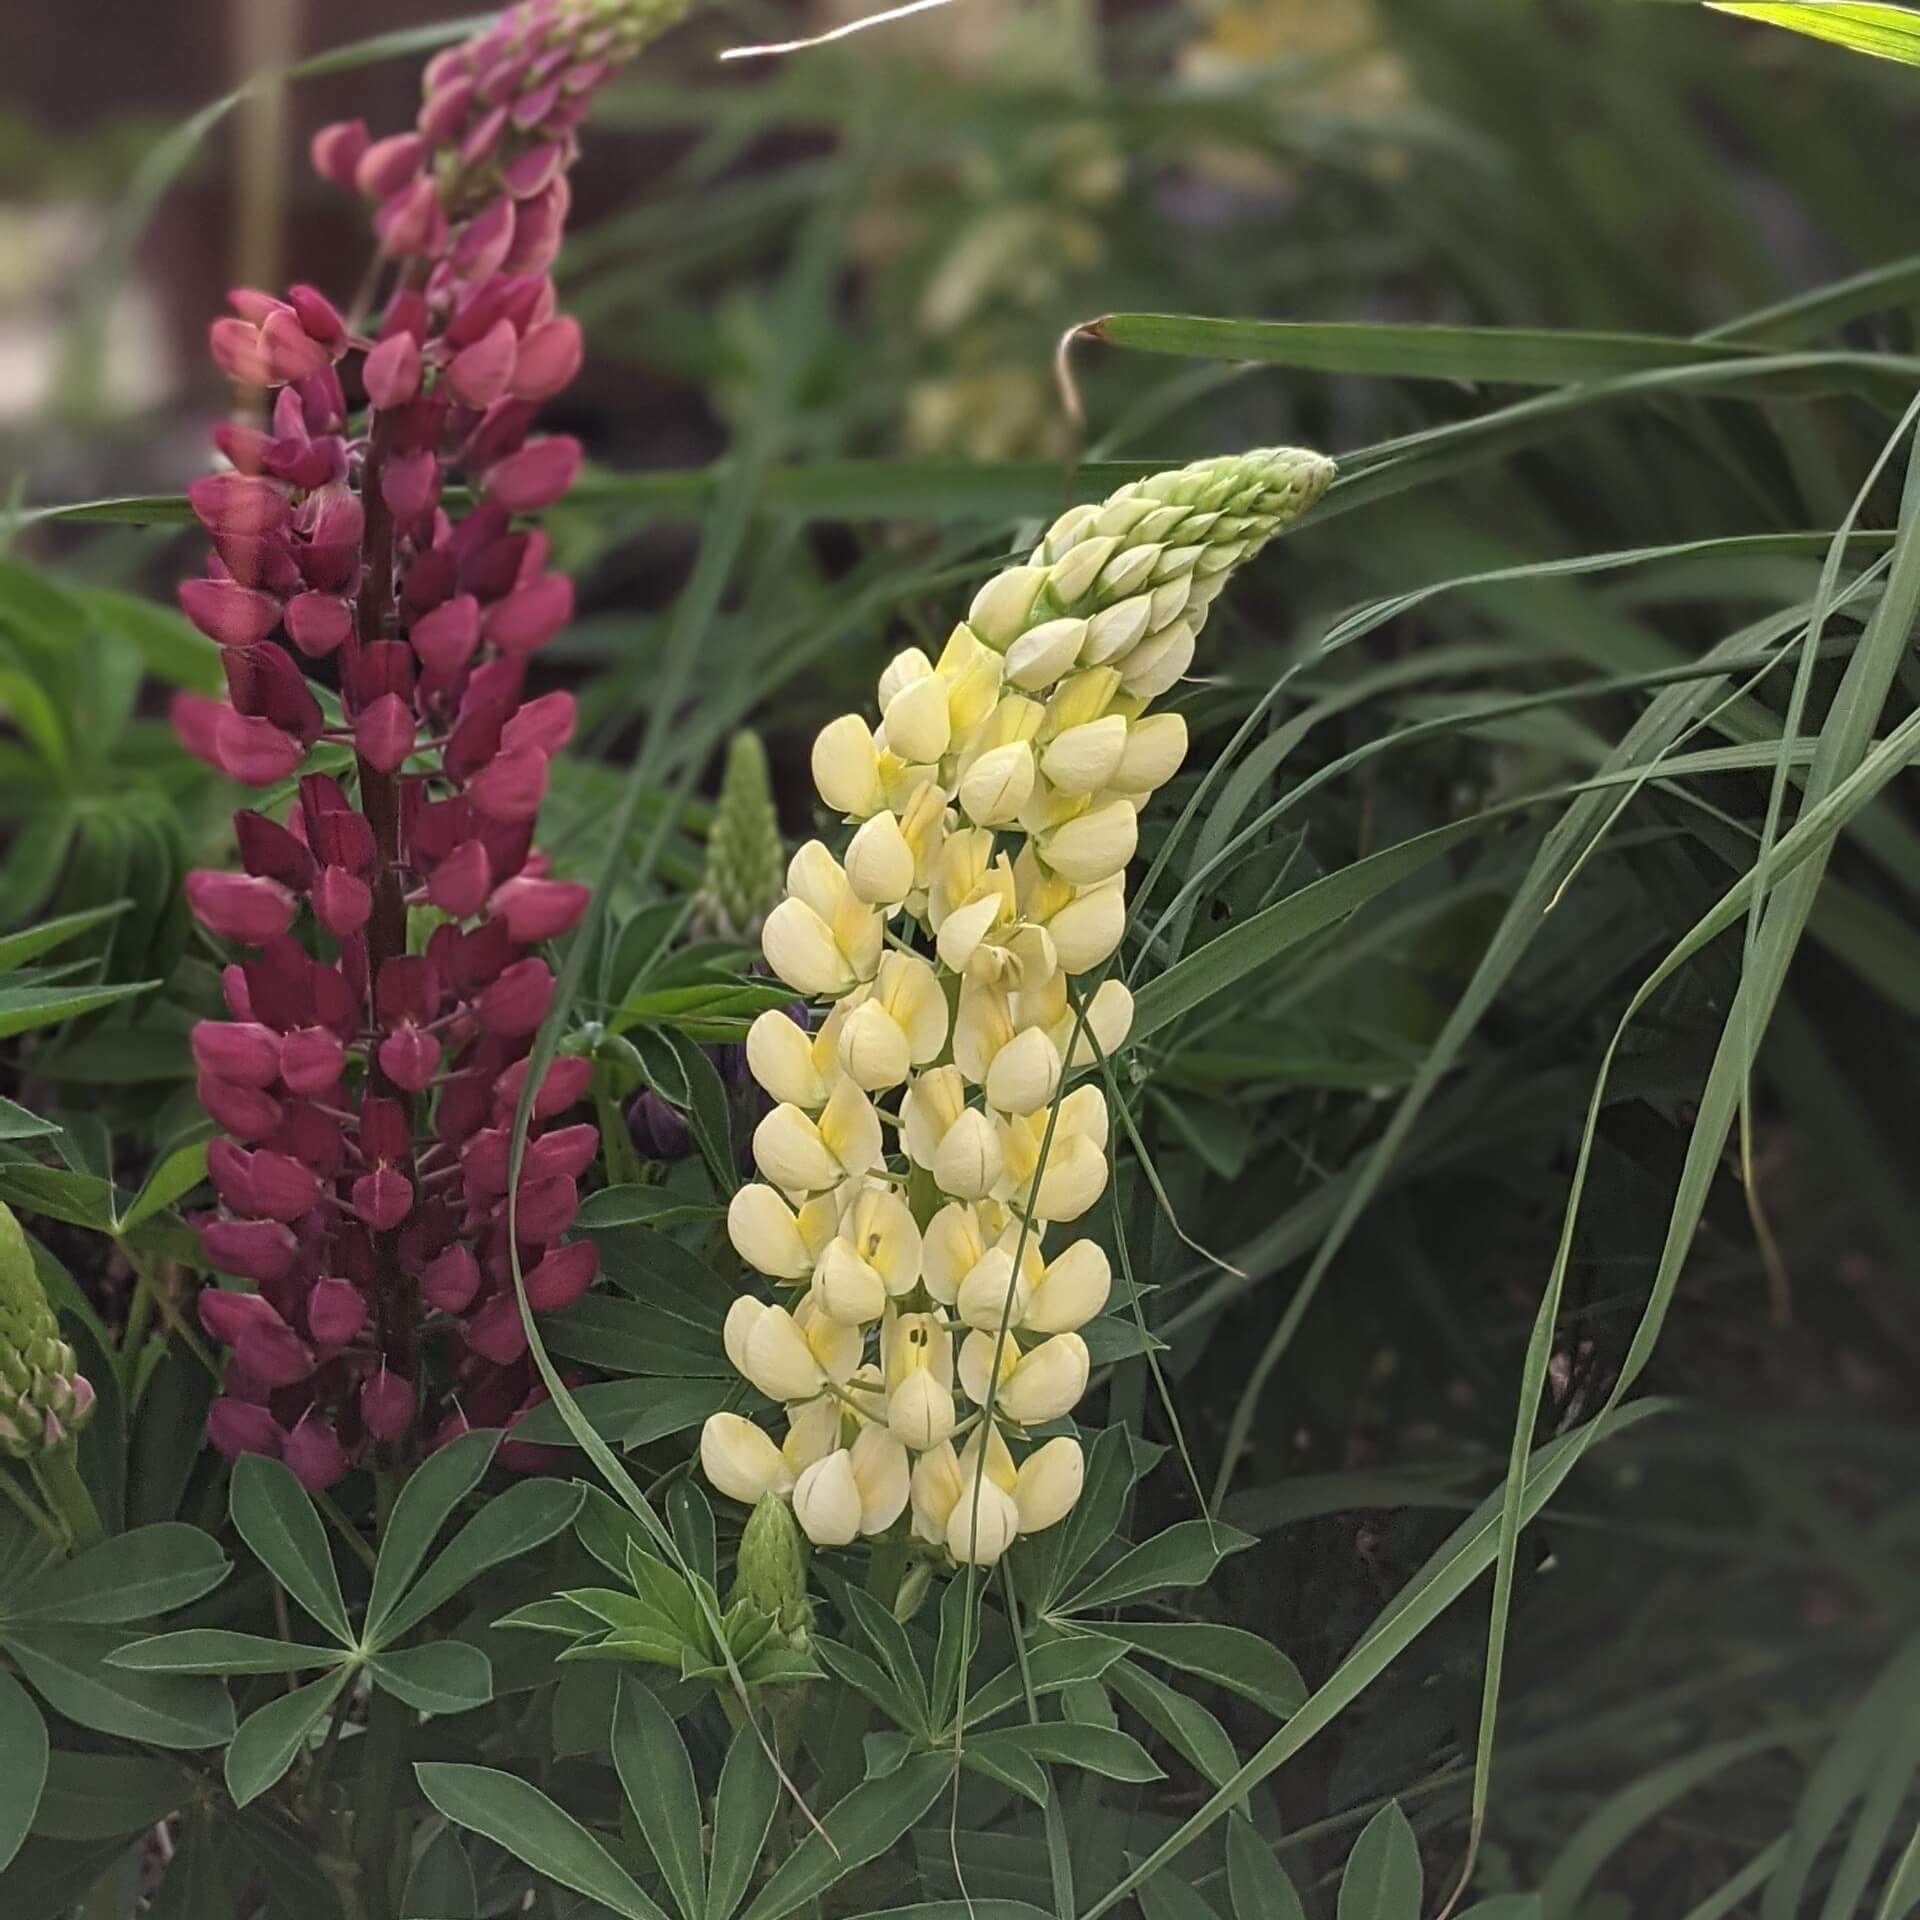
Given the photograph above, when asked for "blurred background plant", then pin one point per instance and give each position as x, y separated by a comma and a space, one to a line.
824, 296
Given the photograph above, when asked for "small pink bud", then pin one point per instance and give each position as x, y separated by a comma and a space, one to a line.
517, 1002
562, 1277
226, 1313
533, 106
229, 613
537, 910
311, 1061
390, 164
538, 229
273, 1354
384, 733
384, 1133
525, 621
483, 1163
386, 1405
320, 317
254, 1249
237, 352
564, 1086
410, 484
510, 787
483, 136
268, 849
550, 356
195, 719
537, 476
383, 1198
242, 1051
410, 1058
495, 1332
410, 221
235, 1427
239, 503
317, 623
449, 1281
245, 1112
481, 374
544, 725
342, 902
337, 150
252, 750
530, 174
287, 350
239, 907
485, 241
392, 371
569, 1153
544, 1209
283, 1188
336, 1312
314, 1455
444, 111
445, 638
459, 884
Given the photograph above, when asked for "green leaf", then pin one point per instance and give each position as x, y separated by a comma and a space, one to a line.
1242, 1662
1256, 1880
177, 1175
1167, 1897
743, 1810
276, 1519
1183, 1556
1887, 32
98, 1796
448, 1676
1189, 1728
657, 1776
24, 1009
215, 1650
631, 1413
68, 1667
1064, 1662
860, 1827
1102, 1750
636, 1206
1501, 356
16, 1123
519, 1817
16, 949
23, 1764
1383, 1879
516, 1522
440, 1483
1193, 980
270, 1740
130, 1577
441, 1885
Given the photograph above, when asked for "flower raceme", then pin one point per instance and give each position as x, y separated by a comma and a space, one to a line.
389, 982
921, 1144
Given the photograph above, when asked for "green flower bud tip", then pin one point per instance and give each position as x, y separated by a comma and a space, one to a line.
44, 1398
772, 1568
746, 858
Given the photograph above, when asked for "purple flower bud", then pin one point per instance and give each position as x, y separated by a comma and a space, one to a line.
530, 174
544, 1209
483, 136
517, 1002
550, 357
311, 1061
337, 150
389, 165
243, 1052
525, 621
254, 1249
537, 476
510, 787
237, 352
384, 733
336, 1312
484, 242
538, 229
320, 317
342, 901
537, 910
449, 1282
386, 1405
245, 1112
411, 221
562, 1277
384, 1132
287, 351
392, 371
480, 374
460, 883
544, 725
314, 1454
659, 1131
239, 1426
229, 613
495, 1332
283, 1188
239, 907
383, 1198
410, 484
410, 1058
317, 623
272, 1353
264, 684
444, 111
445, 638
569, 1153
252, 750
239, 503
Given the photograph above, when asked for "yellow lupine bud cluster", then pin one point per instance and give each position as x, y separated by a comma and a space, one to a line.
910, 1181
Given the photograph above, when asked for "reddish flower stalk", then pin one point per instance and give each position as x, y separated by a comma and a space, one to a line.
381, 1018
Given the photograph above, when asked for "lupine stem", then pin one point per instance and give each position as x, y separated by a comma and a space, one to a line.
58, 1473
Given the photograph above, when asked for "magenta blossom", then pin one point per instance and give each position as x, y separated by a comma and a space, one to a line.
389, 982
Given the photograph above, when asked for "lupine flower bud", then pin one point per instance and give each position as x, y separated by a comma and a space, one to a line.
771, 1569
745, 857
44, 1398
